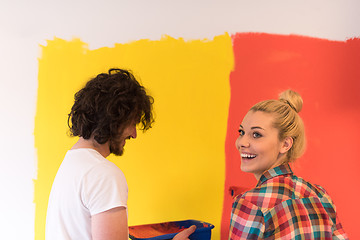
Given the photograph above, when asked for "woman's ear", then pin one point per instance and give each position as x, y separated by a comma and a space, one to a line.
286, 144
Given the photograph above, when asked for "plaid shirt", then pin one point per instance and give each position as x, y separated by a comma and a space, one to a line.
283, 206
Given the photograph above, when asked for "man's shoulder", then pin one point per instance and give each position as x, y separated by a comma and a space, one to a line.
88, 161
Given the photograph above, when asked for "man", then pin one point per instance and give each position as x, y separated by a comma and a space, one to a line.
88, 199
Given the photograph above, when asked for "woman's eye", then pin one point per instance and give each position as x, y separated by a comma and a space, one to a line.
257, 135
241, 132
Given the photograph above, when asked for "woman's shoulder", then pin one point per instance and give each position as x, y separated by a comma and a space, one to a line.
278, 189
306, 189
269, 194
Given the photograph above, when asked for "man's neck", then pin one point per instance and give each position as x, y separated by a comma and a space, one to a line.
103, 149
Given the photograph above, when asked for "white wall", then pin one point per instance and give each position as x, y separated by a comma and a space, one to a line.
24, 25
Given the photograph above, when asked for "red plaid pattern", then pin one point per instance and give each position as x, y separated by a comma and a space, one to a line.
283, 206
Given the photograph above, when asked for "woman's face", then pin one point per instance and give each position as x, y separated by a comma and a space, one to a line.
259, 145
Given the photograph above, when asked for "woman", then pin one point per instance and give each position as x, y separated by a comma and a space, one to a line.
281, 206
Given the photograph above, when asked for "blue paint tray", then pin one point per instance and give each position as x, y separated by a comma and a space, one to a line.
167, 230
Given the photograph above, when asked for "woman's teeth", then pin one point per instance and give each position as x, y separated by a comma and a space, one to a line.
249, 156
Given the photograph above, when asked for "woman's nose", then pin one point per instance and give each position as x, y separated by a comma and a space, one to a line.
241, 142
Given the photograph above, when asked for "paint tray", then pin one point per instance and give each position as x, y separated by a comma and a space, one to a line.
167, 230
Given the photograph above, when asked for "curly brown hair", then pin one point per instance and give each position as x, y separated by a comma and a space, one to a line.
108, 104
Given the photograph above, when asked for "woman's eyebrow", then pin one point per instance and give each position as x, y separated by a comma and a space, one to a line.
257, 127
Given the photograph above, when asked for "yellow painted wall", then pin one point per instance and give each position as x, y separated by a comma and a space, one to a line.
176, 170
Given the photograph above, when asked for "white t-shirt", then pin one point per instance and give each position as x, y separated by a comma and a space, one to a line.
85, 184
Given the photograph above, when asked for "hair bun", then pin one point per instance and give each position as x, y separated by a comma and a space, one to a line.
292, 98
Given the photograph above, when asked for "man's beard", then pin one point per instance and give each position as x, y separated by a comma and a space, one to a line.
115, 148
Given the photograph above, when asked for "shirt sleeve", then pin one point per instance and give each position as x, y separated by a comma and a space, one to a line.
338, 232
247, 221
104, 188
329, 206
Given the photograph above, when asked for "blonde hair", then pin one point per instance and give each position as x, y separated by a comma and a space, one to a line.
287, 120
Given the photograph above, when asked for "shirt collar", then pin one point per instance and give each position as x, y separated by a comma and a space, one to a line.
274, 172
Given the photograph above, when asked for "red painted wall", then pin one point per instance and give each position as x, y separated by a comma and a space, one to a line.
327, 75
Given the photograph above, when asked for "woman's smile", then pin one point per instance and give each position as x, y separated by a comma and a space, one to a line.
247, 156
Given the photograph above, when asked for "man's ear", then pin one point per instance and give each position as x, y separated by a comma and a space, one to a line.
286, 144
